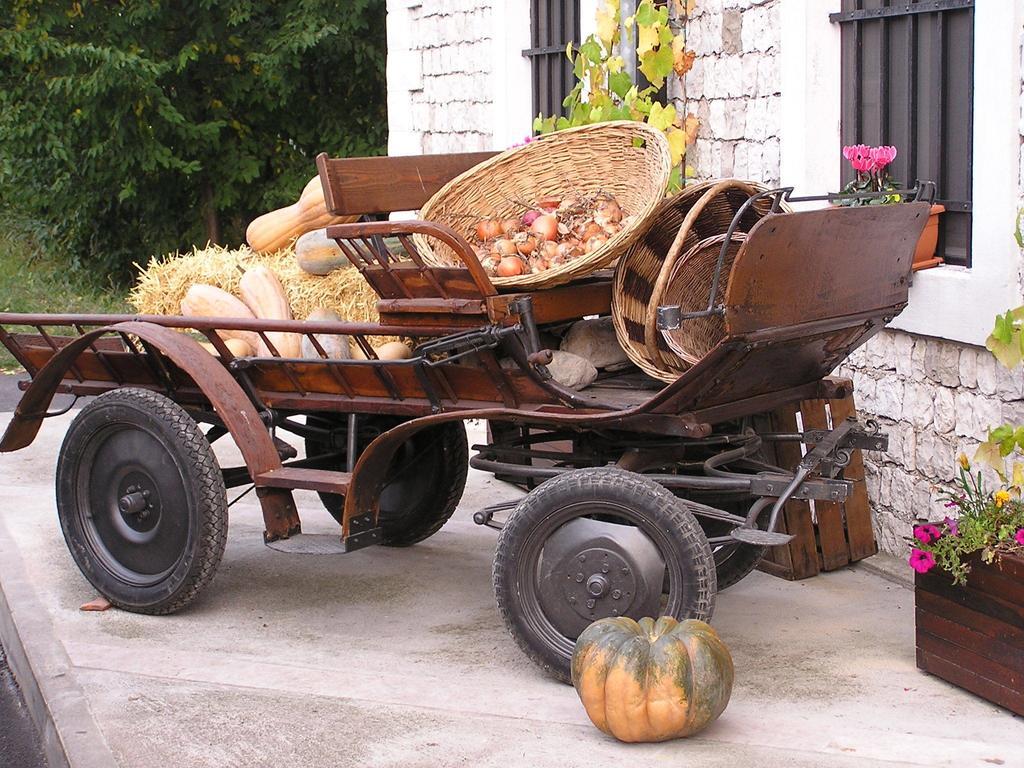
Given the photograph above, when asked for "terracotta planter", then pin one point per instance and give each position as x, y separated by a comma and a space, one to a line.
973, 636
924, 255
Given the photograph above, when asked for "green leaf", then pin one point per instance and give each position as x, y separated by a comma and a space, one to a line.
1017, 234
1000, 433
591, 51
646, 14
657, 65
1003, 329
619, 83
661, 117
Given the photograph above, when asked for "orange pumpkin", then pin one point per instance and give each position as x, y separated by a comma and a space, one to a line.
652, 680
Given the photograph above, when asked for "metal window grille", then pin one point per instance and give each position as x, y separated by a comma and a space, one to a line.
908, 80
554, 24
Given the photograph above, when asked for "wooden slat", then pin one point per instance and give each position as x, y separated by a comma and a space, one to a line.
860, 532
950, 671
962, 633
833, 550
322, 480
357, 185
565, 302
1009, 615
802, 550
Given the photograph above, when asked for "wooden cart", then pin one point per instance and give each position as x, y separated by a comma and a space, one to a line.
666, 494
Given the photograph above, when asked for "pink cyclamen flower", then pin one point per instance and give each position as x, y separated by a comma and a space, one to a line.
882, 156
1019, 537
859, 156
952, 526
926, 534
921, 561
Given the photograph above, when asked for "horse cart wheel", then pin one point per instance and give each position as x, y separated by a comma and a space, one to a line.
423, 486
594, 543
141, 501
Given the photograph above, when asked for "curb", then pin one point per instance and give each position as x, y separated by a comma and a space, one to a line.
70, 736
888, 567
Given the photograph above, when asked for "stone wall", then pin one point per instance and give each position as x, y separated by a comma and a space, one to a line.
734, 88
440, 63
936, 399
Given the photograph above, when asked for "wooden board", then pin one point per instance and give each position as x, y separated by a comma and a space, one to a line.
799, 558
832, 535
356, 185
973, 635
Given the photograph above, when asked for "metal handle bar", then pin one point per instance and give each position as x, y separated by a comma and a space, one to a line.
670, 318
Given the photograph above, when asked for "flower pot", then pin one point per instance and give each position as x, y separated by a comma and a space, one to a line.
924, 255
973, 635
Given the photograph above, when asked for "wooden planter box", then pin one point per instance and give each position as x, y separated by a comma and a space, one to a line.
973, 636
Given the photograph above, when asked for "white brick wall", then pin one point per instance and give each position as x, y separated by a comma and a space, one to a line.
440, 75
734, 89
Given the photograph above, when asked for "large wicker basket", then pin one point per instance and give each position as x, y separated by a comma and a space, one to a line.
627, 159
671, 263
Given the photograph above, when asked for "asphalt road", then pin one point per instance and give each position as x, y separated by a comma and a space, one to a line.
19, 741
9, 392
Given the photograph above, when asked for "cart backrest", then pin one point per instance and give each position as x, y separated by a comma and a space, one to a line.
813, 265
358, 185
805, 290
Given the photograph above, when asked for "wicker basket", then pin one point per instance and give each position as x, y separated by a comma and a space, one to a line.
663, 254
688, 286
627, 159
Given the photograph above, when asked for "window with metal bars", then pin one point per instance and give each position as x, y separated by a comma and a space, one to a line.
908, 80
554, 24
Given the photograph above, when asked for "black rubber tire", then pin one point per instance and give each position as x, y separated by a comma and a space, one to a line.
436, 459
662, 516
738, 564
200, 523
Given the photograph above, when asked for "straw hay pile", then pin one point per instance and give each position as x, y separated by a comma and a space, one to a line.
162, 284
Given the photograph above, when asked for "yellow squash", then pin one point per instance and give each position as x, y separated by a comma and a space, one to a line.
209, 301
264, 295
275, 230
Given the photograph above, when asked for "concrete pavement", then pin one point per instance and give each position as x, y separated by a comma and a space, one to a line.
397, 657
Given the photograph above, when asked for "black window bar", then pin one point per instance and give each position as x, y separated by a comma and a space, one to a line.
554, 24
908, 80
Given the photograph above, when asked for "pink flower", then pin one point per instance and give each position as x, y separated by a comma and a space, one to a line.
882, 156
926, 534
859, 156
921, 561
952, 526
1019, 537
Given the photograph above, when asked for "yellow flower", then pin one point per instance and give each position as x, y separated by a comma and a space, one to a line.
964, 461
1001, 497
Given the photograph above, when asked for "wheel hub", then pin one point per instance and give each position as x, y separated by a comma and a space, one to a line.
593, 569
138, 501
600, 580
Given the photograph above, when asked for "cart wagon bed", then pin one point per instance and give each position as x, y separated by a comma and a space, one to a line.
805, 290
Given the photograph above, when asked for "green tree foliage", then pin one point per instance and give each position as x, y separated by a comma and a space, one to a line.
141, 126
